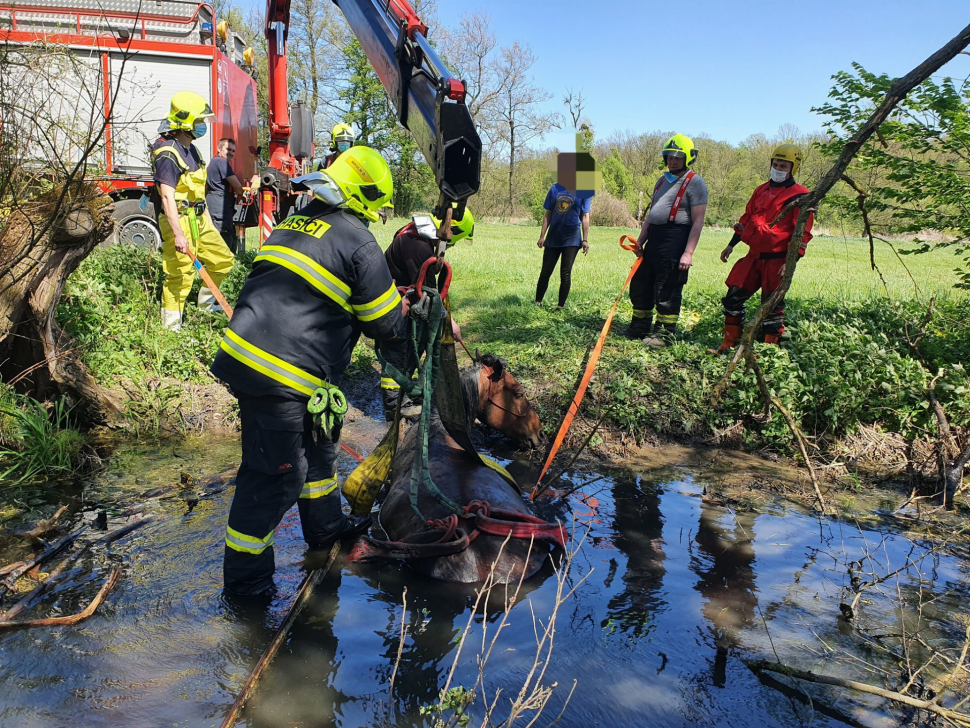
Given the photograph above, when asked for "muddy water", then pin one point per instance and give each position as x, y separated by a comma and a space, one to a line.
678, 591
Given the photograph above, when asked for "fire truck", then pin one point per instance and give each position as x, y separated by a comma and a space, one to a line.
137, 55
141, 52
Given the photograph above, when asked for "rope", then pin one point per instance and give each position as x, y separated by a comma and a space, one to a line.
426, 322
454, 533
594, 358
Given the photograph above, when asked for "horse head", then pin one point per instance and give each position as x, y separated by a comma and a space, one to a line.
501, 402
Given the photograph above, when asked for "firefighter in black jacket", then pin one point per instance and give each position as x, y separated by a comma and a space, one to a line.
318, 282
413, 244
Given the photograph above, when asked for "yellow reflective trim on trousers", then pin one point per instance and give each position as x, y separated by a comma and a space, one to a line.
377, 308
239, 541
319, 488
388, 383
642, 313
667, 318
311, 271
272, 366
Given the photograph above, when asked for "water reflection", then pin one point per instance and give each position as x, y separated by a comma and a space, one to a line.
724, 564
638, 527
650, 637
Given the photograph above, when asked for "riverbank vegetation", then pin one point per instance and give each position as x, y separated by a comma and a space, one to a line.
845, 367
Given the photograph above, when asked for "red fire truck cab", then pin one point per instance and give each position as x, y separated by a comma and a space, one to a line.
140, 54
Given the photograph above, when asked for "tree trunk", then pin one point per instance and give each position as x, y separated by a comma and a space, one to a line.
511, 169
41, 243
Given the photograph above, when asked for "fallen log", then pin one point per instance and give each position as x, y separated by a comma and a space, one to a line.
55, 574
306, 588
8, 583
42, 241
44, 526
98, 600
931, 706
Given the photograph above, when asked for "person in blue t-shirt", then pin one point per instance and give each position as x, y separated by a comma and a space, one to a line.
565, 229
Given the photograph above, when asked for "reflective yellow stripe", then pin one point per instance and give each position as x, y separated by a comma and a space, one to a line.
667, 318
377, 308
264, 362
175, 155
239, 541
643, 313
311, 271
319, 488
388, 383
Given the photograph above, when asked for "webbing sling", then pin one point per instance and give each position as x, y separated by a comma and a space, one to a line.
675, 208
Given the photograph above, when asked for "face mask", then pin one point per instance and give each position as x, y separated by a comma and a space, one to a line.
199, 130
778, 176
343, 146
670, 176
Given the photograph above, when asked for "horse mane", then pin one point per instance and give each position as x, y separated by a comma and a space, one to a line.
469, 382
469, 389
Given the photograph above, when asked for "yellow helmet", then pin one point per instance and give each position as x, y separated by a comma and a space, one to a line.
342, 133
461, 228
186, 109
682, 146
364, 179
789, 153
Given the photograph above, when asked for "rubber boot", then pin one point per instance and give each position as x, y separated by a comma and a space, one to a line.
663, 335
772, 338
640, 324
732, 335
409, 408
207, 301
172, 320
349, 527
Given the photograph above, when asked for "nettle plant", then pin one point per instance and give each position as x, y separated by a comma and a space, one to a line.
915, 170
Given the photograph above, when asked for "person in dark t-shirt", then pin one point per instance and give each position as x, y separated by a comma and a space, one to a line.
221, 202
565, 228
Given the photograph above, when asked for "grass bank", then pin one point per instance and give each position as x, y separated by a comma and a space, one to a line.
845, 365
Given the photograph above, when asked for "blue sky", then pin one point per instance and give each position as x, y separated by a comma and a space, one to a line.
727, 69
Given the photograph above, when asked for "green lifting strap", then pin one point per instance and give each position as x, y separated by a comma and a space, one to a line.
426, 322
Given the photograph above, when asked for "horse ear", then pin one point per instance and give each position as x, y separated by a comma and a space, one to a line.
499, 368
478, 357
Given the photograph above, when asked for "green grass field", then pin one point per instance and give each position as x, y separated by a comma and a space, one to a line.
846, 361
504, 261
844, 364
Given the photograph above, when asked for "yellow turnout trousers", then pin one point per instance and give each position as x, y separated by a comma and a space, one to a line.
210, 249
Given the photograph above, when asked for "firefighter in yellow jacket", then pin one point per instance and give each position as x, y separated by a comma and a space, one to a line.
179, 174
318, 283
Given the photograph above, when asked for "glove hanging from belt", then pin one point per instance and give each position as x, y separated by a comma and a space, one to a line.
328, 405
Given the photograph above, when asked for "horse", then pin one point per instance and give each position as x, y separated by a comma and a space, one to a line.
495, 531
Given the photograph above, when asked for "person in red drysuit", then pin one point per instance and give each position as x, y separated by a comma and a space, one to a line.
764, 265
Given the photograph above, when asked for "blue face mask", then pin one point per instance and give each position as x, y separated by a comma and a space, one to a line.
200, 130
343, 146
670, 176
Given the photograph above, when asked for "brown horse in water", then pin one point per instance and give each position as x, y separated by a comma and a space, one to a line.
465, 546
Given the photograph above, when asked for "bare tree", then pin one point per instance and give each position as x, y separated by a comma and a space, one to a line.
471, 51
519, 120
576, 103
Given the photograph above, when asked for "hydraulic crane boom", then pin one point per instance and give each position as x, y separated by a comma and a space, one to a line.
430, 103
290, 130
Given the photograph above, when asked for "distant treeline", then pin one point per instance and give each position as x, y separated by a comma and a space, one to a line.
631, 164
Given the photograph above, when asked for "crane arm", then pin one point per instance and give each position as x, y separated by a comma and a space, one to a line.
429, 101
